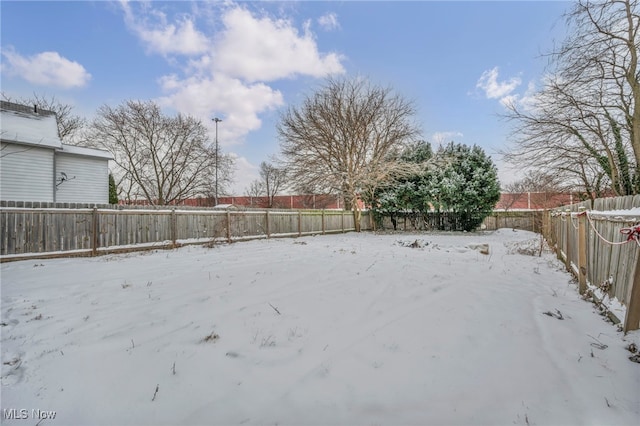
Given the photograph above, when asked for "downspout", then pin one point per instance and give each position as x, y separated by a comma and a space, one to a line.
54, 176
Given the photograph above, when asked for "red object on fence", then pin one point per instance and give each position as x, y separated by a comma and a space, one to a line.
633, 233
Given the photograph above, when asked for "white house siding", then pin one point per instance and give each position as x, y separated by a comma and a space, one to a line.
87, 179
26, 173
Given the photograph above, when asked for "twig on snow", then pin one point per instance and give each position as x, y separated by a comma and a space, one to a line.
598, 345
155, 393
275, 309
557, 314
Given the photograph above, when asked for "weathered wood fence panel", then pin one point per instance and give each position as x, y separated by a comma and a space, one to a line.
593, 248
283, 223
335, 222
311, 223
130, 228
51, 231
208, 225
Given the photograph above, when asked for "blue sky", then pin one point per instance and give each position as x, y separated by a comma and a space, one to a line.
245, 62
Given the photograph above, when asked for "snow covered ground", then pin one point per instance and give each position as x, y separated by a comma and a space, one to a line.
343, 329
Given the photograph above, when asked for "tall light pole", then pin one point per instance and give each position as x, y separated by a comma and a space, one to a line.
216, 120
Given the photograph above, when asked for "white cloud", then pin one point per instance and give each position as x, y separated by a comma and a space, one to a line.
239, 103
267, 49
525, 101
329, 21
509, 100
245, 173
45, 69
494, 89
163, 37
528, 100
230, 78
227, 73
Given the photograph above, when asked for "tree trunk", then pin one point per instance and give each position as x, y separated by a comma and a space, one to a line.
353, 201
357, 216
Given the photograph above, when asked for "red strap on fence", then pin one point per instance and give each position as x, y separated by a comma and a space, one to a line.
633, 233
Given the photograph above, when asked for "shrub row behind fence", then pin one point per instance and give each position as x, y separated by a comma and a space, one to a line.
446, 221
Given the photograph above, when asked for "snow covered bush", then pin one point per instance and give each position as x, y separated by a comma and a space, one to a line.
459, 180
468, 185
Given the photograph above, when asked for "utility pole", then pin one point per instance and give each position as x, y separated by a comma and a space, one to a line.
216, 120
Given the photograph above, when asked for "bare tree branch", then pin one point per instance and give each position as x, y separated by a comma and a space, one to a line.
164, 160
585, 121
340, 138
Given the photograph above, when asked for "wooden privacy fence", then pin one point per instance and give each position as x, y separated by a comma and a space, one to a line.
49, 232
594, 249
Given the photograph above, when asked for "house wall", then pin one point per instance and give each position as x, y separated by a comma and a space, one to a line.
26, 173
87, 179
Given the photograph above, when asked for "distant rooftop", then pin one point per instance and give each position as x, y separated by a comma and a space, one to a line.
27, 109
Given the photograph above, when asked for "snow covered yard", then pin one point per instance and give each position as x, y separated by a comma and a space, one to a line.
341, 329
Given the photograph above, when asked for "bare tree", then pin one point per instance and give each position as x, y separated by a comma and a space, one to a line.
161, 159
223, 179
340, 138
584, 124
273, 180
254, 189
511, 194
69, 124
603, 51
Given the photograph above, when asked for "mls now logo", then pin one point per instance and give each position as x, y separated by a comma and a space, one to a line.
14, 413
23, 413
42, 414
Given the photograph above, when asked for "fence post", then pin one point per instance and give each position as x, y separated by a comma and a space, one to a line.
94, 232
268, 230
582, 252
299, 223
567, 243
533, 222
342, 218
546, 225
228, 226
323, 225
632, 320
173, 226
557, 236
